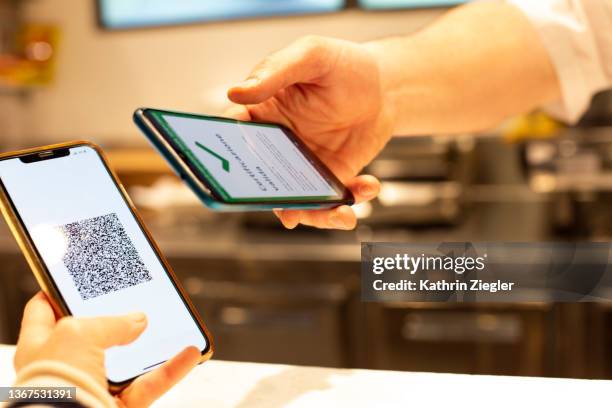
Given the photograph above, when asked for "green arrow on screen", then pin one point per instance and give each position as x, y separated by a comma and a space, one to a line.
224, 161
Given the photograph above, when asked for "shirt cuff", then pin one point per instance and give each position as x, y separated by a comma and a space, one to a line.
568, 37
48, 373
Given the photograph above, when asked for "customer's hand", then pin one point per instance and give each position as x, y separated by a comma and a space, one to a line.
328, 92
81, 343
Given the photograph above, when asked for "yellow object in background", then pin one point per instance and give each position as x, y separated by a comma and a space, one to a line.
32, 62
537, 125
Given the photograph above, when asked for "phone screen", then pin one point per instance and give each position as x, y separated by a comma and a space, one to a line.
247, 162
99, 258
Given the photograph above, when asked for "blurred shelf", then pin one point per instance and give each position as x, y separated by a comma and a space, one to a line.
140, 166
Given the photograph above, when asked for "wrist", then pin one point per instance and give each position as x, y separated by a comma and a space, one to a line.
387, 97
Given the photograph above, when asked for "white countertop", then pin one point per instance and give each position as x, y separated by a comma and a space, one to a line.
229, 384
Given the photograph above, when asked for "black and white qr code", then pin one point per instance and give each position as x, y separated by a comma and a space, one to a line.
100, 256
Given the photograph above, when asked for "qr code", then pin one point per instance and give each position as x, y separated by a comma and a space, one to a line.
100, 256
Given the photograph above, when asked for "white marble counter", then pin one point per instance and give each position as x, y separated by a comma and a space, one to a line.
229, 384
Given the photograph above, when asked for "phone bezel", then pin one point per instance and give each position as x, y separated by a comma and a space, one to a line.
345, 195
42, 273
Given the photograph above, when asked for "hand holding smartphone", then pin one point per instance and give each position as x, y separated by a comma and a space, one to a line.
234, 165
93, 256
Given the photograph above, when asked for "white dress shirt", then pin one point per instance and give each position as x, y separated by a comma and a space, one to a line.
578, 37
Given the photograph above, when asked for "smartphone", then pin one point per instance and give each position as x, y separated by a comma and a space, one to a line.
233, 165
92, 254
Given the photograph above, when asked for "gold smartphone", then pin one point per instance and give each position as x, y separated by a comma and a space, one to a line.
92, 254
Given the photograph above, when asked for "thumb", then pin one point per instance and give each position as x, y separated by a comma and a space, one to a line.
109, 331
36, 327
38, 321
304, 61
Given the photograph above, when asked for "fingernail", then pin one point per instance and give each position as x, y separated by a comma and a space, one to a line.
249, 83
137, 317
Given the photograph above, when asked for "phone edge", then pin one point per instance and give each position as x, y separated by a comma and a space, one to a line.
205, 194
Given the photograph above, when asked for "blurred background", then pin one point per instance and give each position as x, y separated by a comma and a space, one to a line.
77, 69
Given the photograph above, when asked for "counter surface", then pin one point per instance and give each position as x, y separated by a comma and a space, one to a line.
231, 384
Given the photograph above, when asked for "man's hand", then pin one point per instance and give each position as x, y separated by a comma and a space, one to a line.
81, 344
345, 99
328, 92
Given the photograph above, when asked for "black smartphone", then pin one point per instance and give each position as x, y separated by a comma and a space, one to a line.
242, 166
92, 254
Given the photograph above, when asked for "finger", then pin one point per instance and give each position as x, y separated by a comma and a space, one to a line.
238, 112
301, 62
36, 326
364, 188
149, 387
289, 218
38, 320
341, 217
109, 331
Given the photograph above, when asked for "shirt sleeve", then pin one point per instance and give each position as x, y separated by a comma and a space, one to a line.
47, 373
578, 37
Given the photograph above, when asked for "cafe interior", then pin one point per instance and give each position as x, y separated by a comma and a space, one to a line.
77, 70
